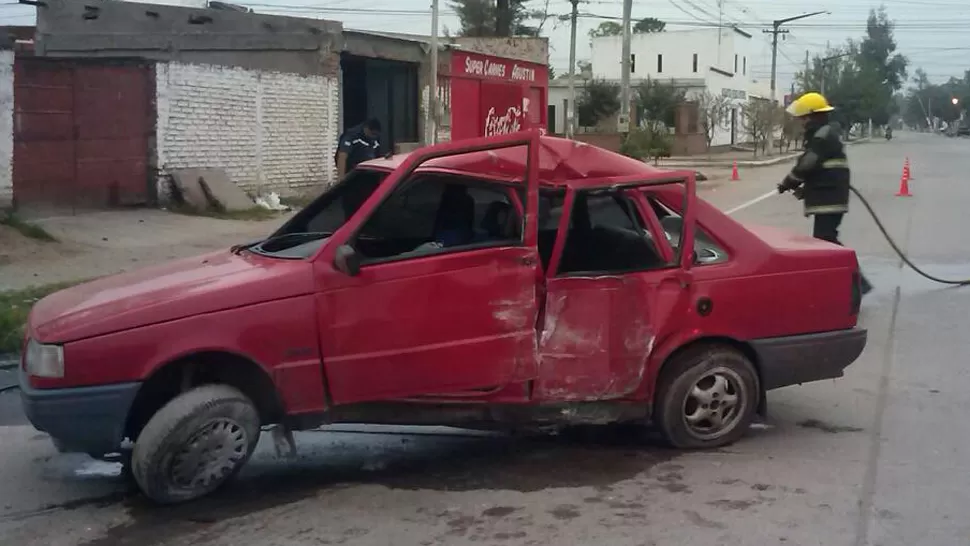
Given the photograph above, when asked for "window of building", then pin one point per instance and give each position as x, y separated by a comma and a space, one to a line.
744, 65
435, 214
735, 64
607, 235
660, 63
695, 63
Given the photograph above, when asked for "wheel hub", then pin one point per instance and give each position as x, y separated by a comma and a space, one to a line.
212, 453
714, 405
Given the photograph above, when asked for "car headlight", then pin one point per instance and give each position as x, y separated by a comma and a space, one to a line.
44, 360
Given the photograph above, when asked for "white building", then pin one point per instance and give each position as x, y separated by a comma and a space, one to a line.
716, 60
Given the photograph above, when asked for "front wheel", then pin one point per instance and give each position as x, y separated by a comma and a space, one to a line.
707, 397
195, 444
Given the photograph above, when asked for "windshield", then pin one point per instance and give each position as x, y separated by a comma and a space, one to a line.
306, 232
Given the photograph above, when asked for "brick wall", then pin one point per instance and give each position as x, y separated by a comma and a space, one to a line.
6, 128
270, 131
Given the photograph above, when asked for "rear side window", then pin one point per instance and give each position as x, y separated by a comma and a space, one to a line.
707, 249
607, 235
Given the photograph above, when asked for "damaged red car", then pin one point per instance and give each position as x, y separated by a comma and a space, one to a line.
507, 282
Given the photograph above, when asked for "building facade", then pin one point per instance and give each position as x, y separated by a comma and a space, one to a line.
718, 61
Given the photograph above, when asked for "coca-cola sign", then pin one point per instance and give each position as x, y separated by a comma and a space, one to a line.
502, 124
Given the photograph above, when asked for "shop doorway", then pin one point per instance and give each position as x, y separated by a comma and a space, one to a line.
382, 89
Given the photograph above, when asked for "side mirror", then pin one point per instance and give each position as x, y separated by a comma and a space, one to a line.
347, 261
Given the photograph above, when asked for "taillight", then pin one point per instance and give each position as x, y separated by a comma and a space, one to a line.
856, 293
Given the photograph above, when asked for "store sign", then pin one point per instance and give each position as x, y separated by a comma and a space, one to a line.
485, 67
734, 94
509, 121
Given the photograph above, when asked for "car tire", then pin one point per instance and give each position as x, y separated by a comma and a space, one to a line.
195, 444
692, 405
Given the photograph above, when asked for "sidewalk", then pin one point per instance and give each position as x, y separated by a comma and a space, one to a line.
728, 159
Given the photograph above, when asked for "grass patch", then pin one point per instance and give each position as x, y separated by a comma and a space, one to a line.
253, 214
15, 306
26, 228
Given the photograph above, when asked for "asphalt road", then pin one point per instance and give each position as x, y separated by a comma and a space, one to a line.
876, 458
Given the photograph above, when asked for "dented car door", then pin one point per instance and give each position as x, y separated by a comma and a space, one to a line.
614, 289
444, 301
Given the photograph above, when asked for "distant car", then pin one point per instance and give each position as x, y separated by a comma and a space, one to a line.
517, 281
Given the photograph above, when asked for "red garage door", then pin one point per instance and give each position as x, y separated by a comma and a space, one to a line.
80, 134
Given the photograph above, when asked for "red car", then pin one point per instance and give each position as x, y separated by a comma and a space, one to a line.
506, 282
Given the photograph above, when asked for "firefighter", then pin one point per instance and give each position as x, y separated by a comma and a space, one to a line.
820, 177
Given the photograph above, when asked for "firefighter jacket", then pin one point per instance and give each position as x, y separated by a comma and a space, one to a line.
821, 175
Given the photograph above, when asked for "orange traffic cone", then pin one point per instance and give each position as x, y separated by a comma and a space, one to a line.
734, 172
907, 169
904, 182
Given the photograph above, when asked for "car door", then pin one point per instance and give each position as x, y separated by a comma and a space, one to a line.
445, 299
614, 290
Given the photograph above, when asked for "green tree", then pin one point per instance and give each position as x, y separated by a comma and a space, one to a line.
643, 26
606, 28
648, 25
597, 101
657, 101
486, 18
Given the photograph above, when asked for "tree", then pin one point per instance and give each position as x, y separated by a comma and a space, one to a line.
643, 26
657, 101
760, 117
712, 109
597, 101
606, 28
485, 18
648, 25
861, 77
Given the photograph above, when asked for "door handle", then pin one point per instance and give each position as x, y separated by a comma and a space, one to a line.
528, 260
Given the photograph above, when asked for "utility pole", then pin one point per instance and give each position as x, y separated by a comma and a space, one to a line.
571, 111
625, 68
775, 31
431, 116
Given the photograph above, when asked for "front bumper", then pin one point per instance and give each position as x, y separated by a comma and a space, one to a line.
800, 359
83, 419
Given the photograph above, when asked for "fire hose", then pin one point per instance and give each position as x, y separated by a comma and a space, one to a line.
902, 255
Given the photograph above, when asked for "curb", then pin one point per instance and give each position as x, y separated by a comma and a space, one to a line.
700, 164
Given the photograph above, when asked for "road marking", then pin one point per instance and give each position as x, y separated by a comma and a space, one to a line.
754, 201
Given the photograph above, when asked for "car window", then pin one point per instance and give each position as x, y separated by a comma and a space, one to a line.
435, 213
338, 205
707, 249
607, 235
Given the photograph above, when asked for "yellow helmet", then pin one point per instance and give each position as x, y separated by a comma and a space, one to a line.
809, 103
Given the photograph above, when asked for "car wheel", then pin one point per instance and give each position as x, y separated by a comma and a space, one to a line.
706, 398
195, 444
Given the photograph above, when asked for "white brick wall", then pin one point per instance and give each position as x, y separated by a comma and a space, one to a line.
270, 131
6, 128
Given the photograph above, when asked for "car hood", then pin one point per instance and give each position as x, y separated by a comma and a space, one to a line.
174, 290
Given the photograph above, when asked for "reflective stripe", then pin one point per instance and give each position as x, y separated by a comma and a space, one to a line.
835, 163
825, 209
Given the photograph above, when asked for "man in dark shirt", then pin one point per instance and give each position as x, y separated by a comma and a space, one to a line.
356, 145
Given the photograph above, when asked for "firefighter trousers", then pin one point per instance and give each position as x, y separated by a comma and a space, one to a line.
827, 228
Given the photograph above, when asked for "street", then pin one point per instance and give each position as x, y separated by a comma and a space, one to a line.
875, 458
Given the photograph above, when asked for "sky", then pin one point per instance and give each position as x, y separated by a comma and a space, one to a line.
933, 34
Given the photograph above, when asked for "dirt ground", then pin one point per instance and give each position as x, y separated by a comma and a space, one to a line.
103, 243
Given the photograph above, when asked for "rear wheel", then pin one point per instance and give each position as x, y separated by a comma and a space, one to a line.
195, 444
707, 397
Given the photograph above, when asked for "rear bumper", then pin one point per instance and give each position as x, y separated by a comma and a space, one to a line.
800, 359
84, 419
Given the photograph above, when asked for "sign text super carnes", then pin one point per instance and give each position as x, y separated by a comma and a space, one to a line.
491, 68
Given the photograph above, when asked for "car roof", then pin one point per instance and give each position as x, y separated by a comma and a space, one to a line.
561, 162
